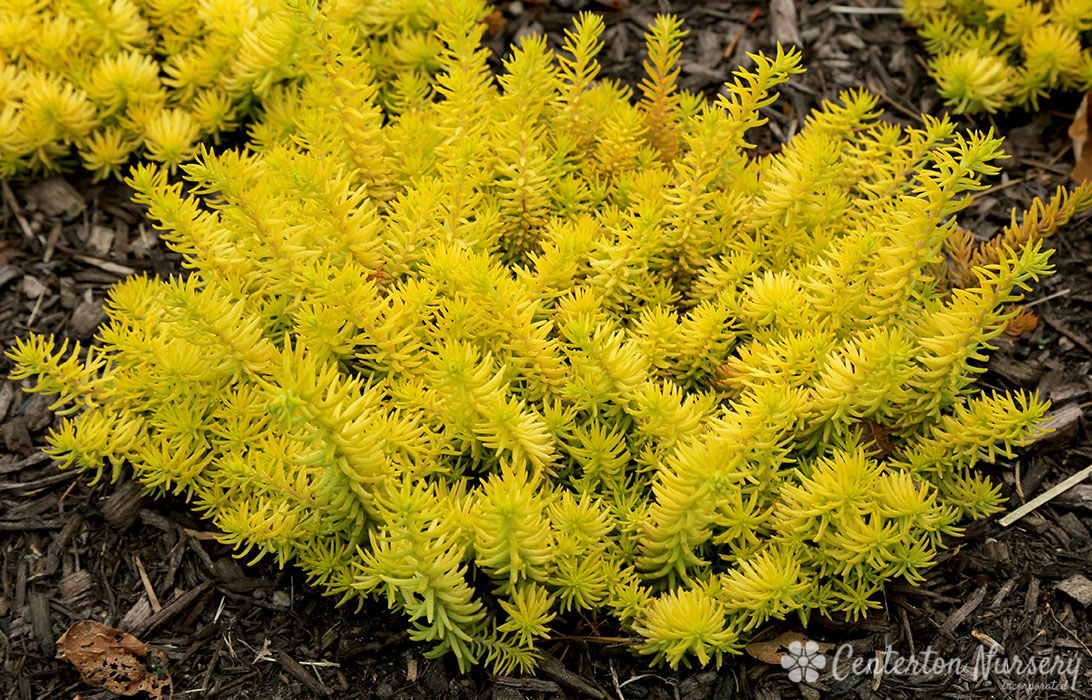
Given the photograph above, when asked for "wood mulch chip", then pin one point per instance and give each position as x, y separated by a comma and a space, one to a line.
71, 551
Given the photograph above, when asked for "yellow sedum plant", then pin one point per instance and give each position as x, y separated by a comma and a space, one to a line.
996, 55
93, 82
538, 350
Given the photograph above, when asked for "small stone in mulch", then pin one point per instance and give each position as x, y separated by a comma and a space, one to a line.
8, 273
86, 318
1078, 588
16, 436
7, 397
38, 415
54, 197
227, 569
100, 240
32, 287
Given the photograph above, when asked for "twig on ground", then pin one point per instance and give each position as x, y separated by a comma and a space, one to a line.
728, 52
1045, 497
851, 10
1055, 295
1064, 330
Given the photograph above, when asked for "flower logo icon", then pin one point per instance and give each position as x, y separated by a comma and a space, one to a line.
803, 661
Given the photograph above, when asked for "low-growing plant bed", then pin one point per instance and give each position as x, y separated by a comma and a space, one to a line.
599, 638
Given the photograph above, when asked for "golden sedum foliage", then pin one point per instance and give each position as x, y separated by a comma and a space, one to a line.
994, 55
538, 349
110, 78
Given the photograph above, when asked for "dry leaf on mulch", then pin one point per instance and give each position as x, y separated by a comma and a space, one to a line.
114, 660
772, 650
1082, 151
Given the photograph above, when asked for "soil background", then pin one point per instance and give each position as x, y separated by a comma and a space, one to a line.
70, 550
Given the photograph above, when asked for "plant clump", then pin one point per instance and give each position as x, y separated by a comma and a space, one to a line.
996, 55
536, 349
103, 80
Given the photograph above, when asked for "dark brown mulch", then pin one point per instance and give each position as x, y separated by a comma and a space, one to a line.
71, 551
